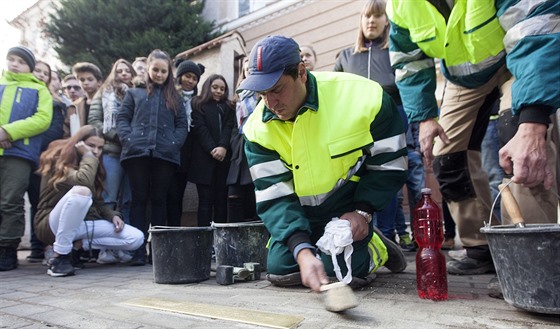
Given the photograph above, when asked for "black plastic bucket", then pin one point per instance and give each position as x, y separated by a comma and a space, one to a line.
181, 254
527, 261
238, 243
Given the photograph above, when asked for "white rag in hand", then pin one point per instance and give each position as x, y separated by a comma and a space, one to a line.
336, 239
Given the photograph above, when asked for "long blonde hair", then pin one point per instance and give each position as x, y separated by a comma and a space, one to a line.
376, 8
62, 156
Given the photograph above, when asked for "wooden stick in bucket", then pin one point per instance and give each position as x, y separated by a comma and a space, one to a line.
511, 206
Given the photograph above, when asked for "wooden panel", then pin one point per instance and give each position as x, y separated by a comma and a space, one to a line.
331, 27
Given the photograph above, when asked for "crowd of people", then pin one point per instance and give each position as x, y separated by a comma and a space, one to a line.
102, 159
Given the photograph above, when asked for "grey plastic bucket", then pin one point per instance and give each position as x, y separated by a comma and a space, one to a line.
527, 261
238, 243
181, 254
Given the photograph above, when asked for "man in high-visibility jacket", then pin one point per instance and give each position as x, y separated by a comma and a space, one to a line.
474, 40
320, 146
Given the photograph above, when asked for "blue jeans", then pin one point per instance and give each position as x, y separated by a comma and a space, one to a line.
415, 181
392, 217
117, 193
491, 162
385, 219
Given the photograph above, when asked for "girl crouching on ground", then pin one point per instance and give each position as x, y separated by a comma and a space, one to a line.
71, 209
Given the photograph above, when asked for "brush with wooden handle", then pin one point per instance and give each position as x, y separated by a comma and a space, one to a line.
511, 206
338, 297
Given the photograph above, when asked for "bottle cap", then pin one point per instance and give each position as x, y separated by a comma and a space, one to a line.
426, 190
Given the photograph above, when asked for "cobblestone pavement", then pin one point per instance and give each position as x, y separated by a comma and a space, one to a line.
120, 296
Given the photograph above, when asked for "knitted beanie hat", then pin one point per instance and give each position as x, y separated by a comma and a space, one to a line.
24, 53
184, 66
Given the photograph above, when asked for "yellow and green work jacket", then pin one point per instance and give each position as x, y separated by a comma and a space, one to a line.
347, 136
473, 43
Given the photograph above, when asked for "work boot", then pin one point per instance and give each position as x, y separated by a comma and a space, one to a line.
287, 280
8, 258
396, 261
495, 288
470, 266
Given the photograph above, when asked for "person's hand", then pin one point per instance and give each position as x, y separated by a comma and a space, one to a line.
429, 129
82, 148
119, 223
525, 156
4, 135
4, 139
5, 144
219, 153
358, 224
312, 270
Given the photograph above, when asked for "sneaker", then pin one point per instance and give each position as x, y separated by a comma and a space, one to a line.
36, 256
458, 254
8, 258
76, 259
448, 244
406, 243
60, 266
470, 266
495, 288
107, 256
125, 256
396, 262
288, 280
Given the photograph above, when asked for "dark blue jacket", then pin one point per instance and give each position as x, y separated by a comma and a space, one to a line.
147, 128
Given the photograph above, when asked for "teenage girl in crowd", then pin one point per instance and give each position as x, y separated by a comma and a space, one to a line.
369, 57
71, 211
187, 77
42, 72
139, 65
308, 56
241, 191
103, 115
213, 119
152, 126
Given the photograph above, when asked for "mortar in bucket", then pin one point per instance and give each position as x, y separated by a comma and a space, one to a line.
526, 257
238, 243
181, 254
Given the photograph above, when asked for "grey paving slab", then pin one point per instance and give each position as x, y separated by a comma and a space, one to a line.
98, 296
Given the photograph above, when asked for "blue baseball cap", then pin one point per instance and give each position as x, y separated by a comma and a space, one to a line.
267, 61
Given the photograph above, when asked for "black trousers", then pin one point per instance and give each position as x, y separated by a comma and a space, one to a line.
149, 182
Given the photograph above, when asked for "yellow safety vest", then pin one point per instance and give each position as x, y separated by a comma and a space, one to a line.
322, 147
471, 35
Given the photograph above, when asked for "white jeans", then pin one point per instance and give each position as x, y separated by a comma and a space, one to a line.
68, 225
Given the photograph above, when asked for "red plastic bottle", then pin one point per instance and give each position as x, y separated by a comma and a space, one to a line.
431, 273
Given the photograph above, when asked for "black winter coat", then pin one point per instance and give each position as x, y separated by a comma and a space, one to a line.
211, 128
147, 127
